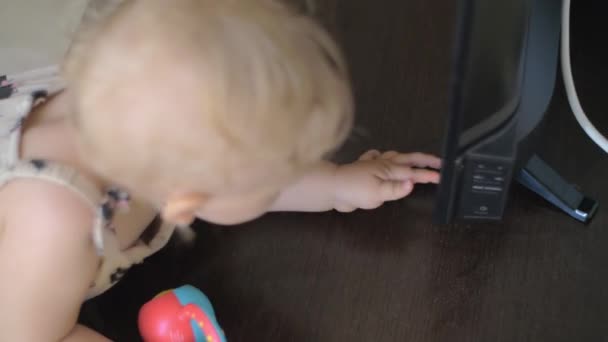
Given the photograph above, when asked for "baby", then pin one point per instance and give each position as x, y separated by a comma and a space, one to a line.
170, 111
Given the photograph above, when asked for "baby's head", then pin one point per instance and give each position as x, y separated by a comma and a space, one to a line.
204, 107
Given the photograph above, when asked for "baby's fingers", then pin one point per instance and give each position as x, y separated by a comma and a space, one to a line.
395, 172
425, 176
370, 155
417, 160
395, 190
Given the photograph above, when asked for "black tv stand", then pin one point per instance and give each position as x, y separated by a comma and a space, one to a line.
503, 85
539, 177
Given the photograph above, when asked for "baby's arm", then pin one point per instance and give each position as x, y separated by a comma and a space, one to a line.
47, 263
366, 184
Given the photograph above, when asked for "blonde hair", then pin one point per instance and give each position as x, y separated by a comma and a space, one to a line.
192, 94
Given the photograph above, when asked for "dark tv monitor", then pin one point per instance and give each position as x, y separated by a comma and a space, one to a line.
504, 74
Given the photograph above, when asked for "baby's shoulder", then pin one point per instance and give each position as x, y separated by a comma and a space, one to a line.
47, 208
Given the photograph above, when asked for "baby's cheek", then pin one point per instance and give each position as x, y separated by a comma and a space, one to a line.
231, 213
228, 219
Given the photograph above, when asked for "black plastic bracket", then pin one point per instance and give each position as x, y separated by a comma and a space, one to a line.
539, 177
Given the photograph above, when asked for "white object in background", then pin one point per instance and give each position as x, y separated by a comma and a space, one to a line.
573, 99
36, 33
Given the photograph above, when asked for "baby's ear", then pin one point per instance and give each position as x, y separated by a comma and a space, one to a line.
181, 208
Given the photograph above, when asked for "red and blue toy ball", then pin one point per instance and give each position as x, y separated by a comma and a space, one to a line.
183, 314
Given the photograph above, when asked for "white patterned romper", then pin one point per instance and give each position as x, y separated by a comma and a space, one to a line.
18, 95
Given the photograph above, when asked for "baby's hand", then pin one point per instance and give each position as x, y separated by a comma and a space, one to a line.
379, 177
